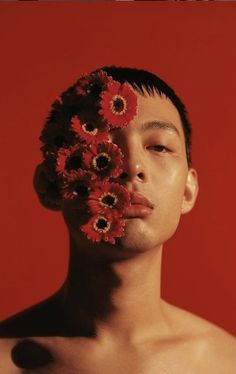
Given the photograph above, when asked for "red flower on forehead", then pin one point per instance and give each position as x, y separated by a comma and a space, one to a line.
108, 197
104, 227
104, 159
118, 104
90, 130
69, 160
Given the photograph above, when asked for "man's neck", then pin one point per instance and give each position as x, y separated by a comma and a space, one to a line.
116, 298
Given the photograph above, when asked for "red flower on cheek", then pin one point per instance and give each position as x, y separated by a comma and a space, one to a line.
70, 160
77, 187
105, 160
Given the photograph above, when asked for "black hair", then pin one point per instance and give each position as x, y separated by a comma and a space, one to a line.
141, 81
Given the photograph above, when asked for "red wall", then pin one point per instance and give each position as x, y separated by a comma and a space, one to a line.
45, 47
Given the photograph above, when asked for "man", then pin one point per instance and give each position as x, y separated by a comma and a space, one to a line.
109, 317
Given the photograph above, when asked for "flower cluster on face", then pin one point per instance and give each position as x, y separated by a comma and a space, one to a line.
87, 163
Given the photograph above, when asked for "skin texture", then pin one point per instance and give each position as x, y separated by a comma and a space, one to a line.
109, 316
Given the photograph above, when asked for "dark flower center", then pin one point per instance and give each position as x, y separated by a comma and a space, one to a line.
82, 190
74, 162
101, 225
109, 200
118, 105
101, 161
90, 128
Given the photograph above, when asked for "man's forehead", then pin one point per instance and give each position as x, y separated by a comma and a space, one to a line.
155, 112
157, 107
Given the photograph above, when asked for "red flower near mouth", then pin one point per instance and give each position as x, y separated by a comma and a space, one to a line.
104, 159
91, 131
104, 227
108, 197
69, 160
118, 104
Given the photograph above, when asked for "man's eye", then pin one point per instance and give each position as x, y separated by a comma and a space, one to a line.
158, 148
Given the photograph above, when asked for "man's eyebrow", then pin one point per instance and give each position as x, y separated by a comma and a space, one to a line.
163, 125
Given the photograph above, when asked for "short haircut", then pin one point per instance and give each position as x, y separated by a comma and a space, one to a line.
141, 81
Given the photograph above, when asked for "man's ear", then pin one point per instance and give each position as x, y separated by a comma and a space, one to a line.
190, 192
46, 186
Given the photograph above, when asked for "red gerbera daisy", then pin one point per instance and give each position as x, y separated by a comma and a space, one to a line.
104, 159
92, 83
99, 79
92, 131
104, 227
108, 197
54, 136
78, 186
118, 104
69, 160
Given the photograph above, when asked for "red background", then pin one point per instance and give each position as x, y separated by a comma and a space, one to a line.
45, 47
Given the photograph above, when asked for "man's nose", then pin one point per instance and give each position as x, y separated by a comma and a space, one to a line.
134, 167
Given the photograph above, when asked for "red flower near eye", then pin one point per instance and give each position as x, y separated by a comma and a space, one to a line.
118, 104
69, 160
104, 159
91, 130
104, 227
108, 197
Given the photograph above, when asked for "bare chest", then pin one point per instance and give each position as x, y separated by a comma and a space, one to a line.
75, 362
75, 357
78, 357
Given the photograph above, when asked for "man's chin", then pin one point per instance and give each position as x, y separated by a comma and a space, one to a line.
138, 238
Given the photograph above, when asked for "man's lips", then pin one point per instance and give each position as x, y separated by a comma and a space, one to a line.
138, 198
140, 206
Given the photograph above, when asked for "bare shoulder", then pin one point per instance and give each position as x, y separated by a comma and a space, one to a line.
220, 348
215, 347
42, 319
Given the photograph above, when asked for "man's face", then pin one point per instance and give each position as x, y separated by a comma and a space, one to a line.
155, 165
